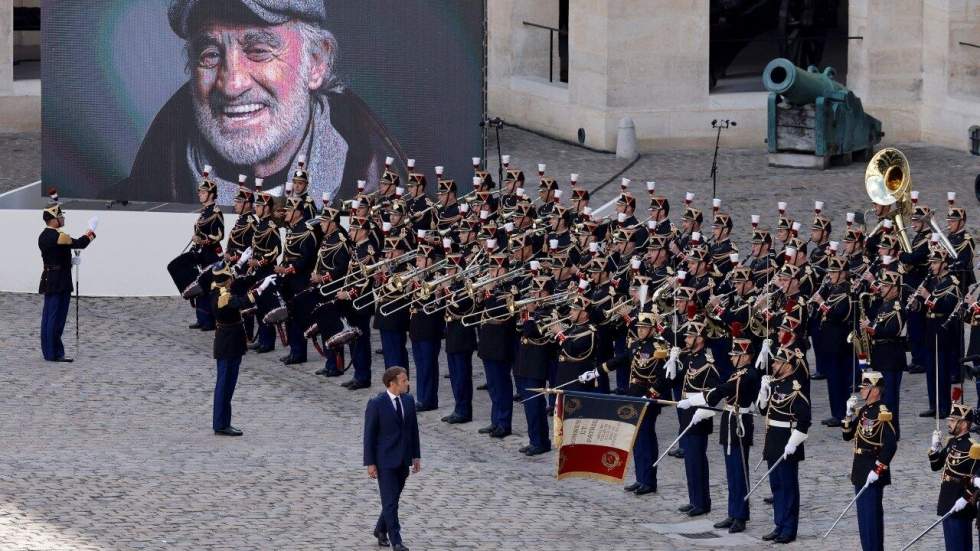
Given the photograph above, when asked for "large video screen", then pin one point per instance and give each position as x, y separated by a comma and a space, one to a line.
140, 95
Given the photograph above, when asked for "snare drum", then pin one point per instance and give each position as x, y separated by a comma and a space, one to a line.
270, 306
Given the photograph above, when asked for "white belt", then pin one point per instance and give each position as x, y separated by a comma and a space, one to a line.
731, 408
781, 424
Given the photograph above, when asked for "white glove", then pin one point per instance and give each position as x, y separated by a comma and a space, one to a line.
764, 392
671, 365
684, 404
937, 439
93, 223
976, 482
269, 280
76, 260
959, 505
795, 439
246, 255
701, 414
588, 376
762, 360
851, 406
872, 478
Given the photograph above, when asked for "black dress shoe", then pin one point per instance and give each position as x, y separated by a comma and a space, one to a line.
330, 372
818, 377
697, 511
455, 419
253, 345
344, 384
833, 422
725, 523
499, 432
264, 349
685, 508
399, 547
194, 325
207, 328
771, 536
487, 429
523, 449
287, 357
632, 487
382, 538
64, 360
482, 387
644, 490
928, 413
783, 539
294, 361
535, 450
425, 408
517, 397
767, 500
915, 368
379, 351
229, 431
358, 385
677, 452
736, 527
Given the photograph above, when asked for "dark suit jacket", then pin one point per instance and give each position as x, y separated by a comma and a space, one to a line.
56, 249
389, 442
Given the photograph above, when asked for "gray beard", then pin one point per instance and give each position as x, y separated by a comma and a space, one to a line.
288, 122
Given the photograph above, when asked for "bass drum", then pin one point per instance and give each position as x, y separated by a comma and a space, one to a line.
184, 270
325, 321
200, 286
270, 306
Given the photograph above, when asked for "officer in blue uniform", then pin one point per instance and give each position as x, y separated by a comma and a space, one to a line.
299, 256
209, 231
229, 344
460, 339
535, 352
883, 327
266, 247
938, 297
783, 399
916, 267
875, 443
56, 286
959, 460
737, 428
426, 331
240, 239
496, 349
833, 315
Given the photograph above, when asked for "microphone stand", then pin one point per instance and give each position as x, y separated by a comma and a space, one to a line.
496, 123
720, 125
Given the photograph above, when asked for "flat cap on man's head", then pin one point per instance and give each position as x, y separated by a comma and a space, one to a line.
271, 12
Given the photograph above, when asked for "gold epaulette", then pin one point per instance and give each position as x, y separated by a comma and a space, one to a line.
64, 238
974, 450
883, 414
224, 295
660, 353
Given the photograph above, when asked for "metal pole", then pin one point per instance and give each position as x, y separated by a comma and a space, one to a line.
714, 166
551, 55
78, 296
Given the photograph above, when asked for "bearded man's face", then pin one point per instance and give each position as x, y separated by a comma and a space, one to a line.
251, 88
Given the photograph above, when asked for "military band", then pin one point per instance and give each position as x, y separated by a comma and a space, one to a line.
550, 296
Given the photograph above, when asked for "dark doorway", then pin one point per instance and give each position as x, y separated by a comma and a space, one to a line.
748, 34
563, 39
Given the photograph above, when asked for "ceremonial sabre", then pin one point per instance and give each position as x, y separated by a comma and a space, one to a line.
549, 390
926, 531
765, 476
78, 255
676, 440
865, 487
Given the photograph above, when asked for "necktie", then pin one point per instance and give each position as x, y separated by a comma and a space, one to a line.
398, 408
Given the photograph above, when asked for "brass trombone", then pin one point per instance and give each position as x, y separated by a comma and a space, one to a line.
365, 272
509, 309
422, 294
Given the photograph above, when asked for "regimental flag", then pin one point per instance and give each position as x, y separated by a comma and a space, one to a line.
595, 433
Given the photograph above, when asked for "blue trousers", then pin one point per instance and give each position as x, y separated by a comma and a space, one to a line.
461, 380
622, 375
646, 448
958, 533
266, 334
838, 366
735, 472
297, 342
893, 387
391, 482
224, 389
425, 354
819, 363
202, 309
360, 349
535, 412
53, 319
948, 348
393, 348
719, 350
501, 393
696, 469
785, 484
917, 335
871, 517
552, 380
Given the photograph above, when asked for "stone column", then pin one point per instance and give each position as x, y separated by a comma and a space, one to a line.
6, 47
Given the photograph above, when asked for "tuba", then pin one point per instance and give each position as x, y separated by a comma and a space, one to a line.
888, 181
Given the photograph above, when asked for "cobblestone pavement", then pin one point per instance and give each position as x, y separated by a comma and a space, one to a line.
115, 451
21, 163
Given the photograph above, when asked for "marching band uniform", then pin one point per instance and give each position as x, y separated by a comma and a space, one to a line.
535, 353
888, 344
496, 349
835, 319
426, 331
209, 231
240, 239
299, 254
363, 250
392, 326
786, 405
875, 443
959, 460
332, 262
737, 429
266, 247
700, 376
916, 269
55, 285
229, 346
942, 341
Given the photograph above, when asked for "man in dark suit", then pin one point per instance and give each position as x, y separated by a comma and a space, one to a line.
391, 445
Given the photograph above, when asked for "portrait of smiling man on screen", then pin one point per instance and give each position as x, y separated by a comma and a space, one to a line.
262, 92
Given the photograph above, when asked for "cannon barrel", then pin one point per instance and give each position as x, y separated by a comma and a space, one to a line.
799, 86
